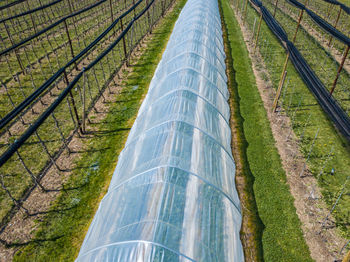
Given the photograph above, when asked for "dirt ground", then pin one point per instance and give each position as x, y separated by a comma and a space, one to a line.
324, 244
21, 228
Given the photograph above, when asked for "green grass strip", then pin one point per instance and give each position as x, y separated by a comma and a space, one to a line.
282, 238
305, 122
65, 230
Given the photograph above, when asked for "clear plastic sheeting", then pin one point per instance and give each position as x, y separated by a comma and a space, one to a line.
172, 196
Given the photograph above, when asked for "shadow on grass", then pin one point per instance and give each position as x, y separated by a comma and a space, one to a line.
52, 210
33, 241
106, 132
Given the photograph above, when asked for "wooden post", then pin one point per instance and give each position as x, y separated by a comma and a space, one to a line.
73, 103
257, 34
339, 69
84, 102
111, 7
133, 3
335, 25
31, 17
68, 36
124, 45
131, 39
70, 43
245, 10
149, 18
274, 11
75, 111
280, 82
299, 21
12, 43
163, 7
329, 9
280, 85
278, 93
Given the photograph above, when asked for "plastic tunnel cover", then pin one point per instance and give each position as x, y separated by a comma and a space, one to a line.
172, 196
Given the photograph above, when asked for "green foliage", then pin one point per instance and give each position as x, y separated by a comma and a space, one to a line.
307, 120
282, 238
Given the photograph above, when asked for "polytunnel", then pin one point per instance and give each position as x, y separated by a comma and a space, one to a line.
172, 196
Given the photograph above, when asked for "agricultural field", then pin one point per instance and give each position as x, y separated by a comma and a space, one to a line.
52, 138
323, 149
90, 52
73, 75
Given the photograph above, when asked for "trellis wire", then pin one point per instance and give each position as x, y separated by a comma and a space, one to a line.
53, 131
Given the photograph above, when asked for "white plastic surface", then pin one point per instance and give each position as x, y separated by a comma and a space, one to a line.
172, 196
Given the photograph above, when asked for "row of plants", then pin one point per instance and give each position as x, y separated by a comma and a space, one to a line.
98, 160
325, 150
279, 229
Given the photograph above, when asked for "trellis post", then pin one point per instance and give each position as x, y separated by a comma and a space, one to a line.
12, 43
70, 43
124, 44
339, 69
278, 94
335, 25
274, 11
280, 84
257, 34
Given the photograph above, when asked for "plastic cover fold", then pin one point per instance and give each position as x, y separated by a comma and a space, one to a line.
172, 196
